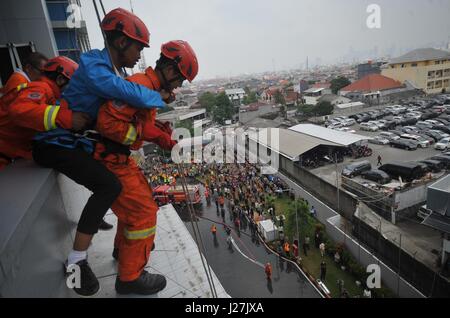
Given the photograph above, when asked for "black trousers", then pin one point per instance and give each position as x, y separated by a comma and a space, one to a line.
82, 168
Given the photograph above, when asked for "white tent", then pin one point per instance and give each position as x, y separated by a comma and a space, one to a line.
268, 230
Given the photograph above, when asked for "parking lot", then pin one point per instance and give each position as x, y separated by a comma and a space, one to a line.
437, 108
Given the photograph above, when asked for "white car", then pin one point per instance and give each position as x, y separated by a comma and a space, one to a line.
335, 125
349, 122
434, 122
379, 140
422, 143
389, 135
443, 144
346, 129
368, 127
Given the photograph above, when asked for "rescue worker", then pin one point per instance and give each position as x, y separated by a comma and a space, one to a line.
286, 249
124, 127
268, 270
213, 230
36, 107
32, 71
95, 82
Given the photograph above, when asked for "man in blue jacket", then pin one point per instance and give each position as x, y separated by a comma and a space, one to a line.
94, 82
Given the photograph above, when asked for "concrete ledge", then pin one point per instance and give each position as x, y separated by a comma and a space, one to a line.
24, 190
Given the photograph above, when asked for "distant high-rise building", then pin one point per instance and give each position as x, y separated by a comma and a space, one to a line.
71, 40
368, 68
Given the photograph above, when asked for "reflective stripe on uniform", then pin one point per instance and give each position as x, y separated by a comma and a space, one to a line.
21, 86
140, 234
131, 136
50, 117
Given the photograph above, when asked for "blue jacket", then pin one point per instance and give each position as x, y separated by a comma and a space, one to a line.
92, 84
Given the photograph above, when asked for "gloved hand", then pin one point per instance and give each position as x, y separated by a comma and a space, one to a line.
152, 133
167, 97
164, 126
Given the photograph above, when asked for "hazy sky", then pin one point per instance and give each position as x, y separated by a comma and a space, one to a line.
233, 37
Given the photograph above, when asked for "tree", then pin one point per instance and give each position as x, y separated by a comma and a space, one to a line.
297, 214
324, 108
279, 98
338, 83
250, 98
207, 100
223, 110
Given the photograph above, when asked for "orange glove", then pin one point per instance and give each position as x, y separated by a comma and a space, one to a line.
154, 134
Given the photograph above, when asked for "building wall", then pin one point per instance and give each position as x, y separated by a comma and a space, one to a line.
22, 21
418, 75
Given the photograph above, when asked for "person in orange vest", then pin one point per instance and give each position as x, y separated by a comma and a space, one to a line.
33, 68
35, 108
124, 128
207, 197
213, 230
268, 271
287, 249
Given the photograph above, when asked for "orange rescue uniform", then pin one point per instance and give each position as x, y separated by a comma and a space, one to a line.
135, 208
17, 78
28, 109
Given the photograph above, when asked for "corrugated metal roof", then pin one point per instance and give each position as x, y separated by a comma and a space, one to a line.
438, 222
339, 138
427, 54
288, 143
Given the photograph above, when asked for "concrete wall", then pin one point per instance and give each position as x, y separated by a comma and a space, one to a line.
40, 212
327, 216
390, 278
320, 188
429, 283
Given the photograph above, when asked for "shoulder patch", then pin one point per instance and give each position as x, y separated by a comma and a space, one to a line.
118, 104
35, 95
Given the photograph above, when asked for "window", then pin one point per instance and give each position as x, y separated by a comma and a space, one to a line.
437, 62
403, 65
414, 65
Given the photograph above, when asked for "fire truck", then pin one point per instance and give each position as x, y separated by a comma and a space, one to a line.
165, 194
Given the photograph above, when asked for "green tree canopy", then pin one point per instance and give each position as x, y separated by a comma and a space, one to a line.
223, 109
324, 108
207, 100
338, 83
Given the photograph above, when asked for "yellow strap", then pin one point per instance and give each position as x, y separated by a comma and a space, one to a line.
21, 86
50, 117
140, 234
131, 136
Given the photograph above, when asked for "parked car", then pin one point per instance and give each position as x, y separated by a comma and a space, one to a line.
407, 144
408, 171
356, 168
434, 165
378, 176
348, 122
442, 158
443, 144
346, 129
424, 125
369, 127
442, 128
410, 129
389, 135
379, 140
432, 134
422, 143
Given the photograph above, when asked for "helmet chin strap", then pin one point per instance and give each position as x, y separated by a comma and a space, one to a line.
166, 85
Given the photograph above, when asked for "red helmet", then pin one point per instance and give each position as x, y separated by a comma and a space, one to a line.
183, 54
61, 64
128, 23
